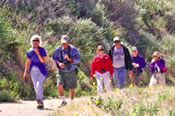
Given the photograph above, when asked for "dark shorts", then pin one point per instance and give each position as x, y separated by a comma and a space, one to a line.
67, 79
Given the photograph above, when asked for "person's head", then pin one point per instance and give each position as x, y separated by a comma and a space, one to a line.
156, 55
35, 41
100, 50
134, 51
64, 41
116, 40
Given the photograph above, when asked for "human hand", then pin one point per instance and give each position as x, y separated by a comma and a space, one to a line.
66, 56
25, 75
137, 65
130, 73
62, 65
91, 79
111, 77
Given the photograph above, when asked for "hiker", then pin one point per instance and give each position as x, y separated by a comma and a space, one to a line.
66, 57
103, 70
138, 63
36, 59
158, 70
121, 62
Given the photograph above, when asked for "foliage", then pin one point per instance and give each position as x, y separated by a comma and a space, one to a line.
7, 33
147, 24
5, 96
133, 101
83, 33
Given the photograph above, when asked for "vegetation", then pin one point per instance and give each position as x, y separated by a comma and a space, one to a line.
147, 24
158, 101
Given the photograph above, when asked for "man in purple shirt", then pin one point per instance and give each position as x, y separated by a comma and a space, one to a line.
66, 57
35, 59
138, 63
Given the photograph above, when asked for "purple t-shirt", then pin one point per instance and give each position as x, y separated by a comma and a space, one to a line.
35, 60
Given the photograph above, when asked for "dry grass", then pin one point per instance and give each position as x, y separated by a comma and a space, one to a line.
158, 101
80, 107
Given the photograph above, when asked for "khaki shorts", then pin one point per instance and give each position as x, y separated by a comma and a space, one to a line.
67, 79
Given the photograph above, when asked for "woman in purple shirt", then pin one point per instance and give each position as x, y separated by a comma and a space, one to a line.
35, 59
158, 70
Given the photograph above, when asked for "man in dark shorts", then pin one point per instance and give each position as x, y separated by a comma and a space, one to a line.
66, 57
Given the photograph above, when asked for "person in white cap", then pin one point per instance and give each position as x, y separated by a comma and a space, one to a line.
138, 63
121, 62
66, 57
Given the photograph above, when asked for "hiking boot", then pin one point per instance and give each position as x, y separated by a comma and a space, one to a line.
63, 103
40, 106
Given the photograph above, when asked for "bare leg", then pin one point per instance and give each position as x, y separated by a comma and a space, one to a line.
60, 89
72, 93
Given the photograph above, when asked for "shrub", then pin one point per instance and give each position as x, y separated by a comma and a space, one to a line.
84, 34
109, 104
142, 109
5, 96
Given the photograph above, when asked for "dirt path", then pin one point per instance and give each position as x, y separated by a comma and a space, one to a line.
28, 108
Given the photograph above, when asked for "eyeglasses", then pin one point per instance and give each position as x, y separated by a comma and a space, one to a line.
101, 50
35, 40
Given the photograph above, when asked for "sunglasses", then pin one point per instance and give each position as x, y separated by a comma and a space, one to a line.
116, 41
101, 50
155, 56
35, 40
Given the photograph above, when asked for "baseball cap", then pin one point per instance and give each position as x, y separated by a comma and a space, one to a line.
116, 39
64, 39
134, 48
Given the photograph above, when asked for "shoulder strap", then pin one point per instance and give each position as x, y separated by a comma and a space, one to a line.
69, 51
61, 52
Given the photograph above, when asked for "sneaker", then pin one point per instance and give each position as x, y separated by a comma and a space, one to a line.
63, 103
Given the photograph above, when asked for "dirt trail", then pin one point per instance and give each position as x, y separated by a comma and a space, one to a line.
28, 108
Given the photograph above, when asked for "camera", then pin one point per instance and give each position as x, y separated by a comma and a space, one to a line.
134, 70
155, 69
103, 70
67, 64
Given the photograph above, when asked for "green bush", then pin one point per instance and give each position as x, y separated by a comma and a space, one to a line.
84, 34
5, 96
109, 104
16, 87
142, 109
7, 33
82, 8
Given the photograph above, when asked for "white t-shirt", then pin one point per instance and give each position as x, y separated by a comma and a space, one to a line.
118, 58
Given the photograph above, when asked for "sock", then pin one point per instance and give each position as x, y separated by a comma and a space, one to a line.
71, 100
63, 98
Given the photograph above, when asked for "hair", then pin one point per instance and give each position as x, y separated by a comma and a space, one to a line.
36, 36
100, 46
157, 53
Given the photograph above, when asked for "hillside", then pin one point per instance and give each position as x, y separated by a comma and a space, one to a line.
147, 24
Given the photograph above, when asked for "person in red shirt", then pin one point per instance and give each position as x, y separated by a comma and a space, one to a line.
102, 69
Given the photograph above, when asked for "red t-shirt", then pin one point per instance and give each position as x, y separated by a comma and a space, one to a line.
101, 62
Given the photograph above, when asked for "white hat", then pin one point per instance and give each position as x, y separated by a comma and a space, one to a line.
134, 49
64, 39
34, 37
116, 39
